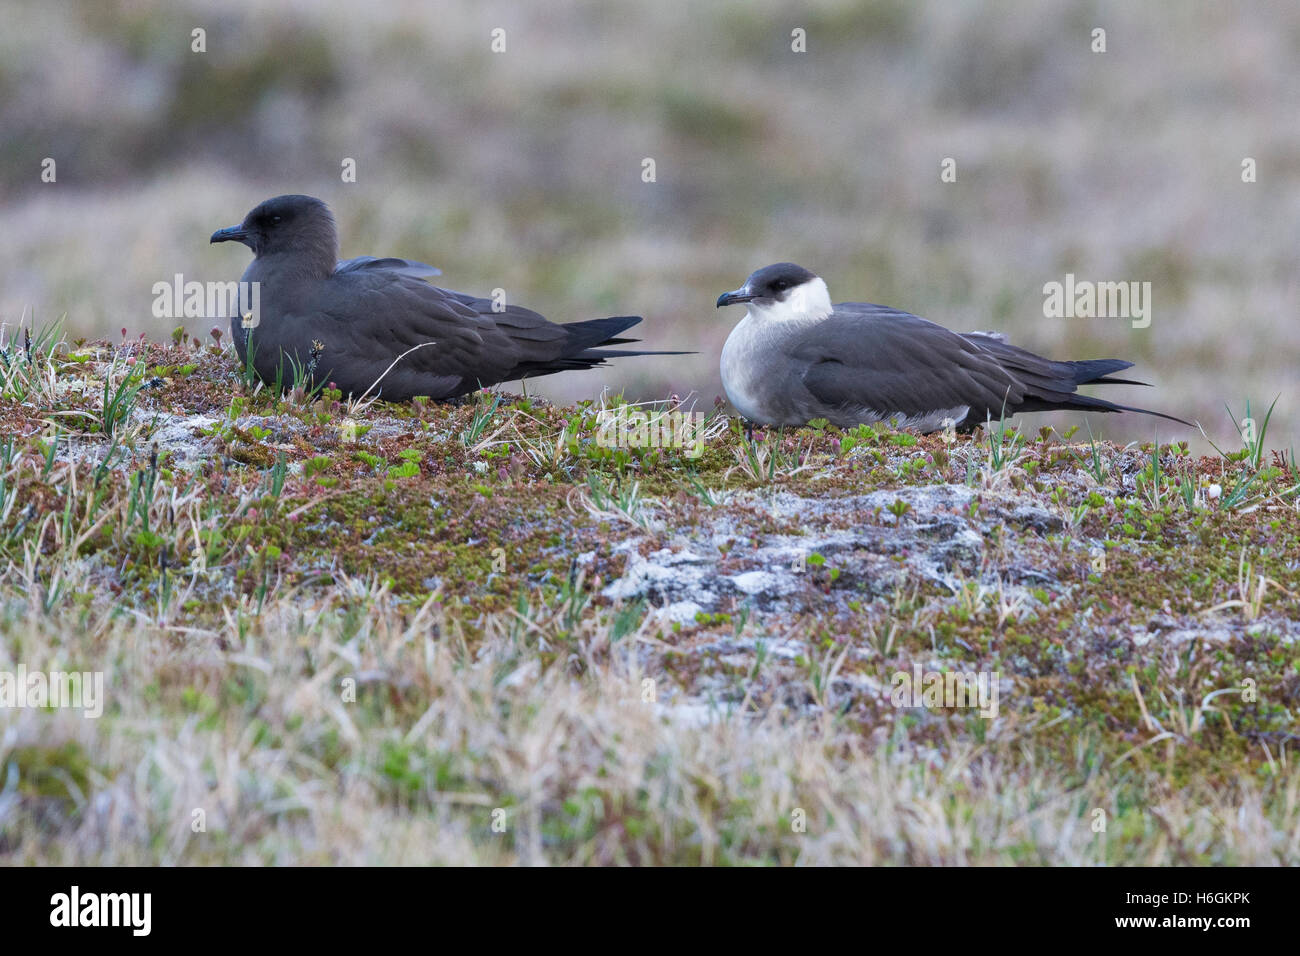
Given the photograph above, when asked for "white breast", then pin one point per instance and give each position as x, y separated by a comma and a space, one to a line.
738, 370
754, 374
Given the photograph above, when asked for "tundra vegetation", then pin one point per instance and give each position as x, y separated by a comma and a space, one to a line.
352, 632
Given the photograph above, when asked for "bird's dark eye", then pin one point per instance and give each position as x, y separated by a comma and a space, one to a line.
275, 219
780, 284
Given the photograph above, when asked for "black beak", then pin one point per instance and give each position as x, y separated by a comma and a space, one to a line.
237, 233
732, 298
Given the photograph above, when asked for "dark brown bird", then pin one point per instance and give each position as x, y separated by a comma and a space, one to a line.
373, 325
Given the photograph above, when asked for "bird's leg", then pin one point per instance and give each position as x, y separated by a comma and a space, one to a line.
749, 430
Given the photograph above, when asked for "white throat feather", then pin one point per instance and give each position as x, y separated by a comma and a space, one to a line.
810, 301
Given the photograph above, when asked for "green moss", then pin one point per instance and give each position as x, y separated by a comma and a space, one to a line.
52, 772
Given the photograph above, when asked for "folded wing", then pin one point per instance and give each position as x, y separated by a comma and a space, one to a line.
450, 343
886, 361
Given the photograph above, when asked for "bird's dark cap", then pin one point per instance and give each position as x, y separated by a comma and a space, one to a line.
770, 283
302, 225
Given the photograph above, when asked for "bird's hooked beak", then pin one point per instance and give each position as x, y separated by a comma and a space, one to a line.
236, 233
733, 298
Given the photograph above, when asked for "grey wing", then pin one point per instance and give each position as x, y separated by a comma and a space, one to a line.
448, 342
519, 324
871, 357
407, 267
1045, 378
464, 342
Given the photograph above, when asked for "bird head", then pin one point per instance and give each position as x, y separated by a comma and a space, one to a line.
783, 290
299, 225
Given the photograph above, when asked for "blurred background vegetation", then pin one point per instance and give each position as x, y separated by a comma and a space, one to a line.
523, 169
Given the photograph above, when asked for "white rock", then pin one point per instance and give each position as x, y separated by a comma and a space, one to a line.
755, 582
682, 612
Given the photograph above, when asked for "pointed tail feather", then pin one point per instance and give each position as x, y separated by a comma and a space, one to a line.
1098, 372
1107, 380
1147, 411
1087, 403
593, 332
624, 353
1087, 371
589, 338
